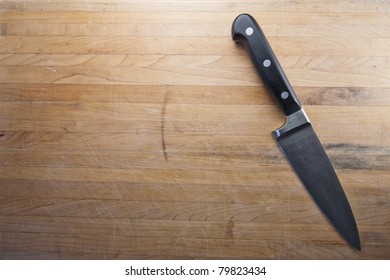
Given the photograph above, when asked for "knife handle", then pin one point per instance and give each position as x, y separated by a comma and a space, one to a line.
246, 30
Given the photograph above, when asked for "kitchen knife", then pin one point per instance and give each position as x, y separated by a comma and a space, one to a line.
296, 137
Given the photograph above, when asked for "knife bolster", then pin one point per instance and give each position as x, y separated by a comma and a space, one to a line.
293, 122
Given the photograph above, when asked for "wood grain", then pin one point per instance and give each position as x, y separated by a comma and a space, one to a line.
138, 129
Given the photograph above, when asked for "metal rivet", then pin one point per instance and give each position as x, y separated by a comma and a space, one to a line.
249, 31
284, 95
267, 63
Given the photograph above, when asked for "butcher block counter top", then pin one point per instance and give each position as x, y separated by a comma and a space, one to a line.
137, 129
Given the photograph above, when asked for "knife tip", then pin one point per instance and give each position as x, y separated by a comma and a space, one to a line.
356, 244
358, 247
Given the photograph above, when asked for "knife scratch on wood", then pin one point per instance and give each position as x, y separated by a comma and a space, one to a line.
163, 126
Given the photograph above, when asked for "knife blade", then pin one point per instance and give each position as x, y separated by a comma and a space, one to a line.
297, 138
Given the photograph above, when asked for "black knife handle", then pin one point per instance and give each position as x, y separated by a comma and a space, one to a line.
246, 31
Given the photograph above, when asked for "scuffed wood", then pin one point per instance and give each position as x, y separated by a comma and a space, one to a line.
140, 130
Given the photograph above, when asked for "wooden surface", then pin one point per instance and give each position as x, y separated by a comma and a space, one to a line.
137, 129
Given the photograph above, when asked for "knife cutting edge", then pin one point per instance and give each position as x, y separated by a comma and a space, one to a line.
297, 138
